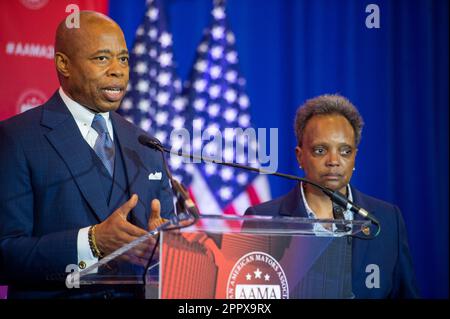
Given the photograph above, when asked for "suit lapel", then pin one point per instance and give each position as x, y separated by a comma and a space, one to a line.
66, 138
360, 246
135, 166
293, 205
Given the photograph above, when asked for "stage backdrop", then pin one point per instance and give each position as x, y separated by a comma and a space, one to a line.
290, 51
396, 75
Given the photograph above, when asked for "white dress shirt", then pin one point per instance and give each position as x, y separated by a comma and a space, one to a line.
84, 117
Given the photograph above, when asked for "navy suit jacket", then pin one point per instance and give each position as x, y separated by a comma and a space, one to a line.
49, 189
389, 250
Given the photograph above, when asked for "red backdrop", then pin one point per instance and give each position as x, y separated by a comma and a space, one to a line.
27, 31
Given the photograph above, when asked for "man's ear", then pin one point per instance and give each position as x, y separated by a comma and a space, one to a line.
298, 154
62, 64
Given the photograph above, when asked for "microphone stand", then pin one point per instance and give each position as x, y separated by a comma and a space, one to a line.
335, 196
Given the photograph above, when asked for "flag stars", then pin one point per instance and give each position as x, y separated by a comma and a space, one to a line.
231, 76
179, 103
257, 273
153, 33
218, 13
161, 118
244, 120
228, 154
225, 193
177, 84
139, 49
230, 95
244, 101
248, 277
153, 14
126, 104
163, 98
177, 122
161, 136
164, 79
145, 124
210, 169
199, 104
230, 115
215, 71
214, 91
165, 59
165, 39
216, 52
213, 110
232, 57
217, 32
144, 105
142, 86
198, 123
226, 174
201, 66
266, 277
175, 162
202, 48
242, 178
140, 31
230, 37
200, 85
141, 67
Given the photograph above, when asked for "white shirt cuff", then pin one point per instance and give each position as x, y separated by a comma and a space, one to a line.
83, 249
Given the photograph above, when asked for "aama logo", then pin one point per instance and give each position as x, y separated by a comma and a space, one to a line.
257, 275
30, 99
34, 4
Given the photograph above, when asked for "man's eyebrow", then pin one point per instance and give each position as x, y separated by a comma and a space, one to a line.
106, 51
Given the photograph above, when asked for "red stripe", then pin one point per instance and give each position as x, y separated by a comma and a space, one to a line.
252, 195
229, 210
191, 194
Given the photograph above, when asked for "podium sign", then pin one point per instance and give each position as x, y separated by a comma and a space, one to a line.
263, 259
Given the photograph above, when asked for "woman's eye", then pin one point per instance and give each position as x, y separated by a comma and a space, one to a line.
346, 151
319, 151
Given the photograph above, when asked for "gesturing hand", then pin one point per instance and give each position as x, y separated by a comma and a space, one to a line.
115, 231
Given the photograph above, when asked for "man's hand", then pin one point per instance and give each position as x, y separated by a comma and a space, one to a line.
155, 219
115, 231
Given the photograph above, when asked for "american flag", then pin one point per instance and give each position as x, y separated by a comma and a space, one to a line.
212, 101
154, 101
216, 94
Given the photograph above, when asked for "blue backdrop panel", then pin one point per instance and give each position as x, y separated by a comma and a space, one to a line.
397, 76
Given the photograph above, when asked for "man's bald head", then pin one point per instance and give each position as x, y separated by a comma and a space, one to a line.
68, 40
92, 61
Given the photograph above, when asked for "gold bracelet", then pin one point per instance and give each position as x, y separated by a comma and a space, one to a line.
92, 242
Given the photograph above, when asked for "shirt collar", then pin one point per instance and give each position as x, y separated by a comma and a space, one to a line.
81, 114
348, 215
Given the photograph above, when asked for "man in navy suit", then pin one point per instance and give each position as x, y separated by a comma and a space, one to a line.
75, 182
328, 130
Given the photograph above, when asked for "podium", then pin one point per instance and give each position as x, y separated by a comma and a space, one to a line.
231, 257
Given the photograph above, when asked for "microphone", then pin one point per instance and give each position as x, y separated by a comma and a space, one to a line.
335, 196
184, 201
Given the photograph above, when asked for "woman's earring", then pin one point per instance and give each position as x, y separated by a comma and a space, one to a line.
354, 168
